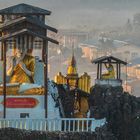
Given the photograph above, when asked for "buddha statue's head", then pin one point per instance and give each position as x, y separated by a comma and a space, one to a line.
18, 52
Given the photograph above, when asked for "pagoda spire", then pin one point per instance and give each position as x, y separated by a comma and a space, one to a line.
73, 60
72, 70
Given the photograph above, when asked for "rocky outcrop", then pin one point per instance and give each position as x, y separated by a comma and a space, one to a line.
17, 134
121, 110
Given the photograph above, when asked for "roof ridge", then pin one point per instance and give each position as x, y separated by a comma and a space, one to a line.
23, 8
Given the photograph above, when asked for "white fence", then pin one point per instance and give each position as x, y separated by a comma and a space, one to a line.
63, 124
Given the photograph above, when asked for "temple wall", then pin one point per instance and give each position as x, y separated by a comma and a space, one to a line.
30, 106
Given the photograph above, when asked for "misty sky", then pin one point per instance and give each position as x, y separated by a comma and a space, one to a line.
84, 13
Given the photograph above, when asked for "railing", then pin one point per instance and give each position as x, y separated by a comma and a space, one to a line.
62, 124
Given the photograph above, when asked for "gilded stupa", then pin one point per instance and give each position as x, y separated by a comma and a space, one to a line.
72, 78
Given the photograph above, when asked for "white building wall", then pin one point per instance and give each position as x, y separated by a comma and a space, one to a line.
36, 112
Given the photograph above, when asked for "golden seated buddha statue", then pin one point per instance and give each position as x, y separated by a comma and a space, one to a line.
21, 68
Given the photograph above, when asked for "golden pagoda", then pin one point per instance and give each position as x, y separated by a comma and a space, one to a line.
72, 79
81, 83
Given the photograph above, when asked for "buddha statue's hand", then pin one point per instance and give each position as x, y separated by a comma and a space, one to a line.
13, 62
22, 65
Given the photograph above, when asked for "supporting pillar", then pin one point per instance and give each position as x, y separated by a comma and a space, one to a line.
4, 78
27, 43
2, 41
2, 51
119, 71
98, 71
45, 60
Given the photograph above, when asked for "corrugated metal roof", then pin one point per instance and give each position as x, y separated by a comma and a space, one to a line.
24, 9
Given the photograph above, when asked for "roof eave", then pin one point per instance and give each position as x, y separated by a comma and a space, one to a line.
4, 38
101, 59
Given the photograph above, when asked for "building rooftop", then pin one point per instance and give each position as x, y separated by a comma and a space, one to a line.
24, 9
118, 43
90, 44
134, 62
97, 43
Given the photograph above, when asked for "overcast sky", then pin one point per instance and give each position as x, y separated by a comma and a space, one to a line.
86, 13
